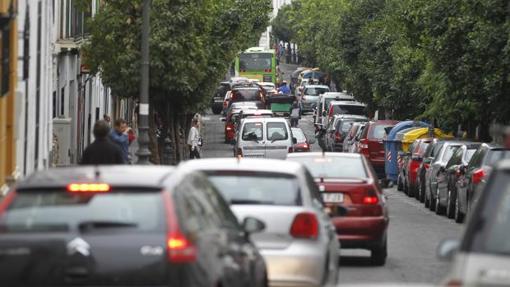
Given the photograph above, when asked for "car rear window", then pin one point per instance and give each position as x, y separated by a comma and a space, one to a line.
496, 155
257, 188
246, 95
315, 91
277, 132
251, 130
333, 167
379, 131
62, 211
348, 110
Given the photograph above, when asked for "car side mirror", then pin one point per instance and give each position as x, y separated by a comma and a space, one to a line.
253, 225
294, 140
447, 249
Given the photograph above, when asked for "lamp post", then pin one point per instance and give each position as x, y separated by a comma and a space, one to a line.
143, 152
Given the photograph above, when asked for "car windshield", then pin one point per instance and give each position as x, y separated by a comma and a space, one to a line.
241, 95
257, 188
379, 131
255, 61
315, 91
333, 167
277, 131
62, 211
349, 110
252, 131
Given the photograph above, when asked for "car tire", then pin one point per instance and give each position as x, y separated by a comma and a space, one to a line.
439, 209
426, 201
379, 254
459, 216
450, 211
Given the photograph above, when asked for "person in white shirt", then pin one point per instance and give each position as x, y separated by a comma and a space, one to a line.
193, 140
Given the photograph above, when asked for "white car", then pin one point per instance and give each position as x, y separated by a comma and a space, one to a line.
264, 138
299, 243
323, 104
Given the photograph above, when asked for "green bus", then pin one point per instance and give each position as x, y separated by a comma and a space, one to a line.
257, 63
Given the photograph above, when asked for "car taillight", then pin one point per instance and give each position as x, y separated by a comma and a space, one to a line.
180, 249
338, 137
305, 225
229, 128
370, 198
88, 187
478, 175
363, 146
267, 70
6, 202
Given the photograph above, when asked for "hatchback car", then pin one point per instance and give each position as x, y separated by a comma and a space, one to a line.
124, 226
371, 144
264, 138
303, 143
482, 256
299, 243
356, 188
474, 176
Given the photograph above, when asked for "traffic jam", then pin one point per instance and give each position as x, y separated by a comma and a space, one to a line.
273, 213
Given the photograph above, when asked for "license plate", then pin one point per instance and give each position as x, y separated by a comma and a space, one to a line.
333, 197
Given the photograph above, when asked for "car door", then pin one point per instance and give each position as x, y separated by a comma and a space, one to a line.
278, 139
252, 139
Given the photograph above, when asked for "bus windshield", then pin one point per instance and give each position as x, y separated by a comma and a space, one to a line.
255, 61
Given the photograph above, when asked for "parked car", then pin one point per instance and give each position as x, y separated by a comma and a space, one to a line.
319, 118
447, 149
303, 143
219, 96
124, 226
337, 130
346, 108
264, 138
299, 242
354, 148
371, 144
356, 188
416, 154
481, 257
428, 156
310, 96
473, 177
351, 134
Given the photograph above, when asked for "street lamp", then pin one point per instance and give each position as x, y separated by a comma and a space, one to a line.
143, 152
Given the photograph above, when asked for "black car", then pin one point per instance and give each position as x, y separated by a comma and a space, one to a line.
120, 226
219, 97
447, 178
473, 176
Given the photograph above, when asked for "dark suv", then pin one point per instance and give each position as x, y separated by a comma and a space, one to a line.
120, 226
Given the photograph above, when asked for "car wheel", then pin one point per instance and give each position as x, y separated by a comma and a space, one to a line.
459, 216
378, 254
439, 208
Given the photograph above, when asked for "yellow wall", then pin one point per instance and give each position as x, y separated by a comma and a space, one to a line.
7, 104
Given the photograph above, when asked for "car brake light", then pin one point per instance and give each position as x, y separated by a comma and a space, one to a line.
7, 201
305, 145
229, 128
305, 225
363, 147
370, 198
338, 137
88, 187
180, 249
478, 175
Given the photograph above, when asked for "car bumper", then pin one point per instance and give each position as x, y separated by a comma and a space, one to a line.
360, 232
298, 265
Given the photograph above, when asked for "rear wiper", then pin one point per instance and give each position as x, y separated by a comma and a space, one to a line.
89, 225
250, 201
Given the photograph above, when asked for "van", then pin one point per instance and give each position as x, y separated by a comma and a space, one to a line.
323, 105
264, 138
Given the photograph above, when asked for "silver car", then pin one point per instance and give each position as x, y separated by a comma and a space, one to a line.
299, 243
482, 256
310, 96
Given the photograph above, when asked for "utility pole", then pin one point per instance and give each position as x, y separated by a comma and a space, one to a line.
143, 152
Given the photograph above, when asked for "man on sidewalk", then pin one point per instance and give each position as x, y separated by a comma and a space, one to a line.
102, 150
118, 136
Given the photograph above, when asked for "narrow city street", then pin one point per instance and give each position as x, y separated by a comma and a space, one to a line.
414, 232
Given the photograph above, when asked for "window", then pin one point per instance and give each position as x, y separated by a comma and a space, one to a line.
348, 110
277, 132
252, 131
315, 91
255, 62
456, 158
333, 167
449, 151
379, 131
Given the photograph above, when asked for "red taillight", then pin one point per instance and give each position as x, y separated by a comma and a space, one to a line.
370, 198
338, 137
4, 204
426, 165
363, 147
229, 127
179, 248
478, 175
267, 70
88, 187
305, 225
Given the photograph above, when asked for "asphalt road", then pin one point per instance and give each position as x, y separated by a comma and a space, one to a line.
413, 236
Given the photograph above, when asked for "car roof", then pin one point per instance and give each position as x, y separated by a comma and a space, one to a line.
345, 116
347, 103
117, 175
325, 154
337, 94
249, 104
256, 111
243, 164
316, 86
280, 120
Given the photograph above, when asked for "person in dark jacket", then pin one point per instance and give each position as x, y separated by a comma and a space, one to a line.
102, 150
119, 137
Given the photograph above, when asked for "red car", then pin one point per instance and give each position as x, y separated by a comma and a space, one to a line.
303, 144
371, 144
417, 151
357, 189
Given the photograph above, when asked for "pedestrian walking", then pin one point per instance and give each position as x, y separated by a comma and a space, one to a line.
102, 150
295, 115
119, 137
194, 140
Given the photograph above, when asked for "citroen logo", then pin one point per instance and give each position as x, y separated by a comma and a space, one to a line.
78, 245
